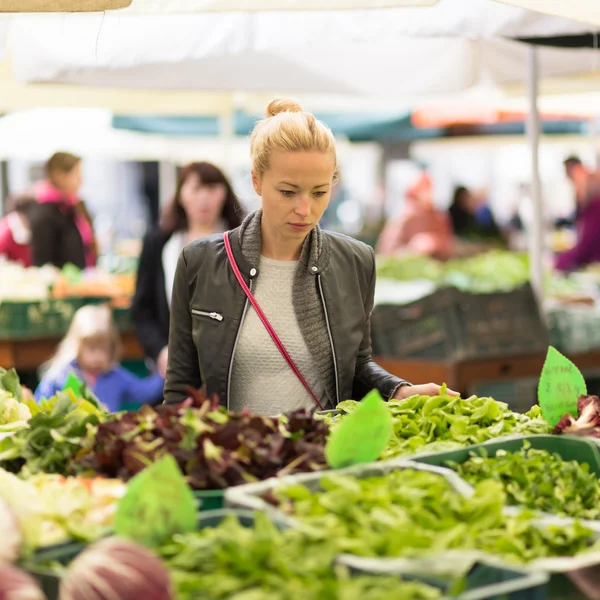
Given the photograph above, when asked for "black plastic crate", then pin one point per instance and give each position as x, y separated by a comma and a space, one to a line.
501, 324
454, 325
427, 328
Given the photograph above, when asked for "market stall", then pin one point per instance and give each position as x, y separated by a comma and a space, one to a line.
360, 488
37, 306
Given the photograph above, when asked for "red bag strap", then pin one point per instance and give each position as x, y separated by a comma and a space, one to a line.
265, 321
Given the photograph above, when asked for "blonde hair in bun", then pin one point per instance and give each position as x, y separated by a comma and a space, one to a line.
288, 128
280, 105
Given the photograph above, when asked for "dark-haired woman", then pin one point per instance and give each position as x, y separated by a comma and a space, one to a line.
204, 204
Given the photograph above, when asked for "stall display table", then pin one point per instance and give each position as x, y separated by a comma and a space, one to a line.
30, 354
462, 375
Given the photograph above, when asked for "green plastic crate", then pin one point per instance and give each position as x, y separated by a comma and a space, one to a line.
484, 581
49, 318
567, 447
37, 567
210, 499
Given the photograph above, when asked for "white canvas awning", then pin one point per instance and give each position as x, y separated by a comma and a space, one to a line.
273, 53
586, 11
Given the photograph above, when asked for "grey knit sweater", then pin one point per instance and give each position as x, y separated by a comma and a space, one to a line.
301, 327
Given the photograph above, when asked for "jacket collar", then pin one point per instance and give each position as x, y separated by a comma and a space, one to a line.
246, 243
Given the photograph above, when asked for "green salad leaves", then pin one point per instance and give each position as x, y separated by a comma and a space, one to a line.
424, 424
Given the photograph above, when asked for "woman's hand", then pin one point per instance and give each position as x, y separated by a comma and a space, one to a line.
425, 389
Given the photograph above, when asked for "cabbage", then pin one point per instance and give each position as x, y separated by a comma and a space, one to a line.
13, 414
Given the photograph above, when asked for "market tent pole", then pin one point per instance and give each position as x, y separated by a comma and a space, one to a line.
227, 135
593, 130
536, 235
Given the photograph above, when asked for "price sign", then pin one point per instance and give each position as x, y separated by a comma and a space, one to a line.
561, 384
361, 436
157, 505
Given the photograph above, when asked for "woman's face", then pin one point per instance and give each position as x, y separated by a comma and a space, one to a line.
202, 203
295, 192
68, 181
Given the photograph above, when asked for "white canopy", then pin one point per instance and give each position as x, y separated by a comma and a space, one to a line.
348, 52
586, 11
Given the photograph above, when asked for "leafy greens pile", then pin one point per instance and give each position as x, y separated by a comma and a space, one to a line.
214, 449
437, 423
538, 480
263, 563
410, 513
59, 428
492, 271
51, 509
14, 412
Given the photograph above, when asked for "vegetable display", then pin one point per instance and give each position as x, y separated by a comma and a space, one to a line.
14, 413
261, 562
59, 428
444, 422
214, 449
538, 480
487, 272
51, 509
411, 513
587, 422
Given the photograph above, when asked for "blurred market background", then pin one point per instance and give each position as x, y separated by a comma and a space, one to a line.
469, 104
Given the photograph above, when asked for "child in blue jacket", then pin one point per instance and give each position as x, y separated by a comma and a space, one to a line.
91, 351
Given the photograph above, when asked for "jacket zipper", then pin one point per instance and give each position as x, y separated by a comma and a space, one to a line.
211, 315
335, 370
237, 337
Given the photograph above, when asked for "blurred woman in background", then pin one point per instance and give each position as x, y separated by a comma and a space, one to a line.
61, 227
420, 228
587, 220
204, 204
15, 232
472, 218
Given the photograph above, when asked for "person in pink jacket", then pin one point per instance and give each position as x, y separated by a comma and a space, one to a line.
420, 228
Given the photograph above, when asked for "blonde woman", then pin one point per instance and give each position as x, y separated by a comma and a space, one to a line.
91, 351
275, 315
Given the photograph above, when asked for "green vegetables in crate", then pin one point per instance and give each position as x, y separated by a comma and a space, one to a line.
484, 273
488, 272
14, 411
538, 480
57, 431
444, 422
261, 562
408, 268
415, 514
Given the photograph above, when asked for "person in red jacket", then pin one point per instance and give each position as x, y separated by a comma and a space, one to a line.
15, 232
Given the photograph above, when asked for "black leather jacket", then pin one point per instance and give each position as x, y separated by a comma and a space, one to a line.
208, 306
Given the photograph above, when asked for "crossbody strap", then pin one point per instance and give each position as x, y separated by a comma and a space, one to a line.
265, 321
